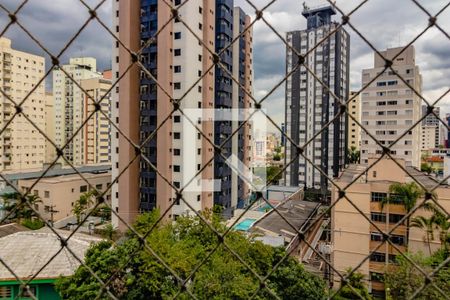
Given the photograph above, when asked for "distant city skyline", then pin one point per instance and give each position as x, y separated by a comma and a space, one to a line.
284, 15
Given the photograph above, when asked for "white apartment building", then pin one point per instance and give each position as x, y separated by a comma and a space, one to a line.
50, 150
431, 129
354, 130
21, 145
70, 106
390, 107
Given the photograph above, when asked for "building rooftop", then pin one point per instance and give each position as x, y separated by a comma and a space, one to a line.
297, 212
353, 171
11, 228
28, 251
55, 172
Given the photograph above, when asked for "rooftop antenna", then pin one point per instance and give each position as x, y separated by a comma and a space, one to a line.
305, 7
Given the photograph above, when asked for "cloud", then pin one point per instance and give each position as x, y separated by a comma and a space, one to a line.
385, 23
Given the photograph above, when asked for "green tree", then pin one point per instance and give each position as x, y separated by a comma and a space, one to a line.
426, 224
274, 174
354, 288
427, 168
85, 201
442, 223
354, 155
183, 245
403, 279
18, 208
405, 194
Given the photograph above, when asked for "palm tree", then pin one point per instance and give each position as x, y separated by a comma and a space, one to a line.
405, 194
84, 202
442, 222
428, 225
353, 155
23, 211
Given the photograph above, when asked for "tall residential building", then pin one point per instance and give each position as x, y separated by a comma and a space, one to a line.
309, 106
22, 146
97, 130
358, 243
390, 107
50, 150
431, 129
230, 23
70, 106
354, 130
178, 61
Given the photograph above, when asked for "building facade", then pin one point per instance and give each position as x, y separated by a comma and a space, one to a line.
431, 129
22, 146
50, 150
310, 106
184, 70
354, 238
354, 130
390, 107
70, 108
97, 130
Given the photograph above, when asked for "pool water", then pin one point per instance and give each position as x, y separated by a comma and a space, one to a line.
264, 208
245, 224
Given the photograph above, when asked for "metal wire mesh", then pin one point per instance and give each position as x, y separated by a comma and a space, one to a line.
300, 234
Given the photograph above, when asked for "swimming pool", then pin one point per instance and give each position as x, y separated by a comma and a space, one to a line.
245, 224
265, 208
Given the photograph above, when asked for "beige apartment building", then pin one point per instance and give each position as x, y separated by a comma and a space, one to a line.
390, 107
70, 108
50, 150
184, 69
59, 193
21, 145
96, 132
354, 130
354, 238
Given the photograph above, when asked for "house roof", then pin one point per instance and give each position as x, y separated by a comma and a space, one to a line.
27, 252
11, 228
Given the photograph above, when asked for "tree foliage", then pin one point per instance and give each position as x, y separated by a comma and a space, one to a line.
20, 208
403, 279
183, 245
354, 288
354, 155
427, 168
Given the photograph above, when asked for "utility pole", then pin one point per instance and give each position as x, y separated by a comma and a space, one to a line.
52, 212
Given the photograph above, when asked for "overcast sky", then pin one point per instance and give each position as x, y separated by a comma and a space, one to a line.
385, 23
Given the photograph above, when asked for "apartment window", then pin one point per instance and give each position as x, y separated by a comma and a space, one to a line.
374, 174
83, 188
177, 69
176, 168
177, 2
99, 187
176, 152
177, 35
376, 236
377, 197
392, 82
46, 194
395, 218
199, 58
381, 83
177, 185
177, 52
176, 135
378, 217
398, 239
176, 119
377, 257
198, 198
200, 26
177, 85
200, 10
